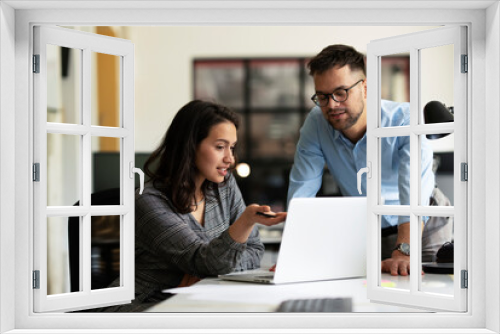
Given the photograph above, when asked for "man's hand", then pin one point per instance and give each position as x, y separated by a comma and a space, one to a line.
398, 264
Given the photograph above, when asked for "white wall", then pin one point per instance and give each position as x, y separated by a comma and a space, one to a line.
7, 166
491, 162
164, 55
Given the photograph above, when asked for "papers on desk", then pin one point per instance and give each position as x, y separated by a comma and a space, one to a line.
218, 290
215, 295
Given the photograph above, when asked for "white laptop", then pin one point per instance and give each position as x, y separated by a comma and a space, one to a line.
324, 238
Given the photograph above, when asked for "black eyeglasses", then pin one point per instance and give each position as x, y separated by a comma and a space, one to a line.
340, 95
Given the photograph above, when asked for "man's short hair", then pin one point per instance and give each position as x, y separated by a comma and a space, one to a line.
337, 55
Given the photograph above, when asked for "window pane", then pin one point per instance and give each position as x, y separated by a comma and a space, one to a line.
388, 242
274, 83
63, 84
105, 258
395, 85
220, 81
106, 172
445, 175
436, 84
444, 172
274, 135
438, 256
62, 275
63, 169
106, 90
395, 170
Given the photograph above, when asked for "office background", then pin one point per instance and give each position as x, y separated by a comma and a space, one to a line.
169, 62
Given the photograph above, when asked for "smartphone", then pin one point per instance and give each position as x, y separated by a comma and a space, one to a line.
266, 215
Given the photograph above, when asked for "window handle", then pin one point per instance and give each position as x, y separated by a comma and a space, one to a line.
368, 171
141, 176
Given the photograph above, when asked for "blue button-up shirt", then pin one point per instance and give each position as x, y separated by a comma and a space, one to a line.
321, 144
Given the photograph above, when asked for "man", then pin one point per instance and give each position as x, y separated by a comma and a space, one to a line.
334, 134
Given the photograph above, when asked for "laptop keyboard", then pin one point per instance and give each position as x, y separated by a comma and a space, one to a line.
316, 305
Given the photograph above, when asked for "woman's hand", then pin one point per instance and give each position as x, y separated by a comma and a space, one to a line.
243, 226
262, 214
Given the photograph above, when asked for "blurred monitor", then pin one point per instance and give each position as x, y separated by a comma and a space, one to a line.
106, 177
445, 172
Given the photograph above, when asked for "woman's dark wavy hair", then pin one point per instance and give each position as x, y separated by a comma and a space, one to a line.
337, 55
174, 159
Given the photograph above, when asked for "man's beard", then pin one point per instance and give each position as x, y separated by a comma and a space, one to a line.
346, 123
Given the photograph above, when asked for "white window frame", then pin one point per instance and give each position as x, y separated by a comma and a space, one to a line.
87, 43
483, 20
412, 44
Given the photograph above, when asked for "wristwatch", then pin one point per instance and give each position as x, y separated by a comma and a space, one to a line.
403, 248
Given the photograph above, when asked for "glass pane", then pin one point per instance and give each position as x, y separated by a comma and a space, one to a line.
436, 84
395, 170
438, 255
105, 257
63, 169
221, 81
62, 271
444, 176
106, 172
388, 242
64, 84
442, 189
395, 85
274, 83
274, 135
106, 90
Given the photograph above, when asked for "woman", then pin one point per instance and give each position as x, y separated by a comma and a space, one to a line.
191, 220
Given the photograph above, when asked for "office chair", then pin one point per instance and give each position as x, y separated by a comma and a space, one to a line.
105, 244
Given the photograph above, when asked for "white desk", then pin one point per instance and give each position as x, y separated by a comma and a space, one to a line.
215, 295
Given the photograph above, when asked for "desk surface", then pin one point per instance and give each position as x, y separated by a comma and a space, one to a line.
216, 295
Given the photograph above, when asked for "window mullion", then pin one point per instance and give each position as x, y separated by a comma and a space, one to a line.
415, 171
86, 121
85, 270
77, 129
80, 211
85, 248
128, 157
404, 210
